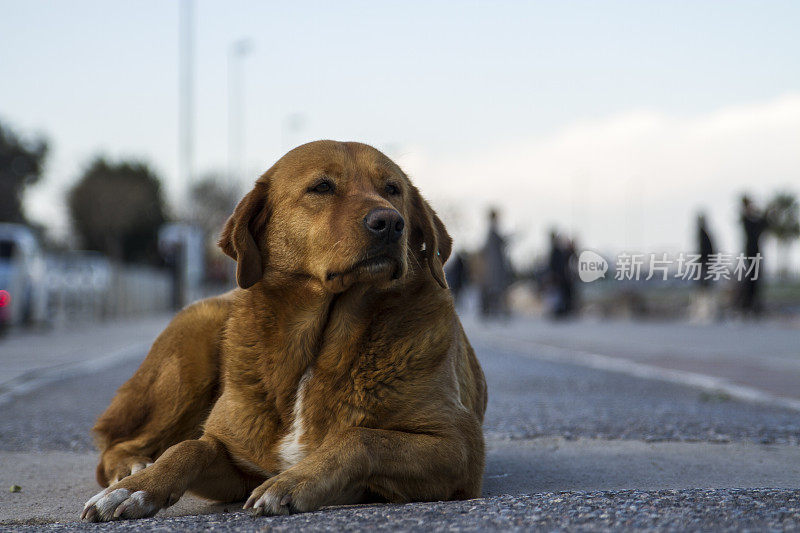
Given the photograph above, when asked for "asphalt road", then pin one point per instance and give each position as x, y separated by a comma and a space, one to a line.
528, 398
761, 354
544, 418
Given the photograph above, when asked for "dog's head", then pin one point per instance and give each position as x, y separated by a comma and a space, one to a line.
339, 213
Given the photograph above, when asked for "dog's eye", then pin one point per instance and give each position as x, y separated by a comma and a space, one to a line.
322, 187
392, 189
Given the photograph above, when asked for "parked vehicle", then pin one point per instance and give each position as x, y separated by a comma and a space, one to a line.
21, 276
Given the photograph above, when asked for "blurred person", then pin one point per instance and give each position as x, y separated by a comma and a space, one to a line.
496, 275
560, 275
570, 287
457, 274
705, 248
754, 223
703, 308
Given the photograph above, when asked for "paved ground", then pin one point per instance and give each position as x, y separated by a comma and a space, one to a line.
763, 355
32, 359
671, 510
569, 446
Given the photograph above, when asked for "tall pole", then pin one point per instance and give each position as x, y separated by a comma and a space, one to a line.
186, 103
236, 54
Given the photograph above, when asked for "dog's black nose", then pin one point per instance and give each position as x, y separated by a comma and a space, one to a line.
385, 224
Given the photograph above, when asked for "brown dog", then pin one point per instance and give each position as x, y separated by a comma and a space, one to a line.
337, 373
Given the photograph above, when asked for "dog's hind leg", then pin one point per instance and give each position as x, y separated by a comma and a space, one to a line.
170, 395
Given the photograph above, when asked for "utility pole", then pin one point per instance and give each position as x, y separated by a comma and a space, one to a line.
236, 53
186, 103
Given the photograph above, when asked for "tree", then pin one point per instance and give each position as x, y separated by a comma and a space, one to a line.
783, 216
117, 208
213, 199
21, 165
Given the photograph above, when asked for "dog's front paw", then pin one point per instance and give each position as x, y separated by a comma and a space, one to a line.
115, 503
283, 494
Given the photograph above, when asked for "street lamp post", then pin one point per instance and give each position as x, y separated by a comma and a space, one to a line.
186, 101
236, 53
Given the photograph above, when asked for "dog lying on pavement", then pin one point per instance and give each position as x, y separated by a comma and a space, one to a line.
337, 373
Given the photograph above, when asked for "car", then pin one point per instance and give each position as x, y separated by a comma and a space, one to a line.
23, 293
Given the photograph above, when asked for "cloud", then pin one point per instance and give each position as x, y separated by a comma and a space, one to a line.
633, 180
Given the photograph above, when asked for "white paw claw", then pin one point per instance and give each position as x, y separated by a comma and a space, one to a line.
89, 511
137, 506
120, 503
268, 504
101, 507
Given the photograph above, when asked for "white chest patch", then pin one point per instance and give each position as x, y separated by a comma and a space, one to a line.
290, 451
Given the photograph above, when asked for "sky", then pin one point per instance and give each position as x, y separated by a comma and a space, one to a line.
614, 122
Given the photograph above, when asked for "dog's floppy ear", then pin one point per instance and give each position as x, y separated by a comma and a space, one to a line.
238, 238
432, 233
